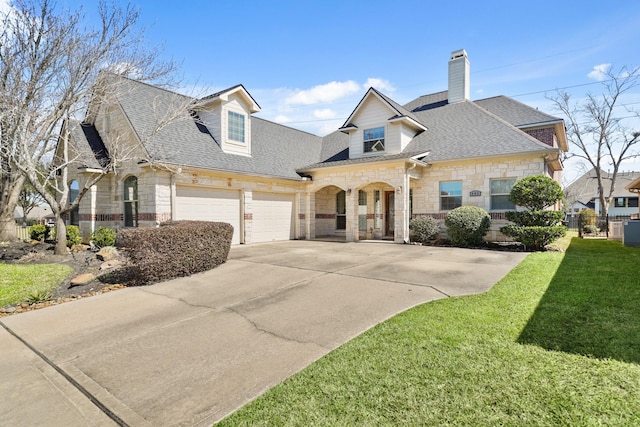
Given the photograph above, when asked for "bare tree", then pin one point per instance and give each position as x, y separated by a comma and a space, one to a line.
29, 198
50, 64
596, 131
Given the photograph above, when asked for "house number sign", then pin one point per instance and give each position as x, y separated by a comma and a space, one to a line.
475, 193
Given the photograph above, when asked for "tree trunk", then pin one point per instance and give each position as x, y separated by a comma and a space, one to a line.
10, 188
61, 237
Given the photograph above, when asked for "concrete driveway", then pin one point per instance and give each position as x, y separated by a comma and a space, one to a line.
190, 351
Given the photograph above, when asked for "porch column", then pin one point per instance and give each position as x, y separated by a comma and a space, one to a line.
401, 223
310, 216
352, 232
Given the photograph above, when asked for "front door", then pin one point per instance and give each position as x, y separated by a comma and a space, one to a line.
389, 212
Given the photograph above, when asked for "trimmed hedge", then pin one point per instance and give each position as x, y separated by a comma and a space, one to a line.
535, 237
535, 218
175, 249
467, 225
425, 229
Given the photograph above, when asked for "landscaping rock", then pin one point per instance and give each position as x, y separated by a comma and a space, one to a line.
107, 253
110, 264
82, 279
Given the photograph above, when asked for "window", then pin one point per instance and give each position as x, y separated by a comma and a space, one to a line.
74, 215
450, 195
373, 140
341, 211
500, 189
131, 202
236, 127
362, 211
619, 202
633, 202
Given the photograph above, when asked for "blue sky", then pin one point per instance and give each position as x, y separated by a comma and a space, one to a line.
308, 63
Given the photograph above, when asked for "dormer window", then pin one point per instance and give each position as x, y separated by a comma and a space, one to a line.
373, 140
236, 127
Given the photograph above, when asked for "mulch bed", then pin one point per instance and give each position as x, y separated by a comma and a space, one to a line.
81, 260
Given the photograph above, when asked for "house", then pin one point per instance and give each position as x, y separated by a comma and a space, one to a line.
634, 187
388, 163
583, 194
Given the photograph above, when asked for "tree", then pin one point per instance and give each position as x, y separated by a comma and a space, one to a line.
596, 131
50, 70
29, 198
535, 227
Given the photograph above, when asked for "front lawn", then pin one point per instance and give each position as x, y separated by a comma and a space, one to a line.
19, 281
556, 342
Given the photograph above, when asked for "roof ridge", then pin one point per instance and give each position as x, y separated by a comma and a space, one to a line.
520, 103
151, 86
285, 126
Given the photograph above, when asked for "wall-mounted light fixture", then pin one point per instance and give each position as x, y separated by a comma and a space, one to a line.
349, 191
399, 189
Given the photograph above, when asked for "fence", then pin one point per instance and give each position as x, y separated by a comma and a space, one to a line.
607, 226
22, 233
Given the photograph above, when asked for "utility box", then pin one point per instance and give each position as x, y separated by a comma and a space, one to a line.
631, 235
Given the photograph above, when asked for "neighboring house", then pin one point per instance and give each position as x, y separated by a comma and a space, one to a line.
387, 164
583, 193
634, 187
39, 214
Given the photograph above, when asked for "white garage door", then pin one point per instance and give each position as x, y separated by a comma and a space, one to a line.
206, 204
273, 217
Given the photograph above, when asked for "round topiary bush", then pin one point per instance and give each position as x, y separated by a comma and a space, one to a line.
467, 225
424, 228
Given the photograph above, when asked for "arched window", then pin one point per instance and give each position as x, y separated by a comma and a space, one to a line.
131, 202
74, 216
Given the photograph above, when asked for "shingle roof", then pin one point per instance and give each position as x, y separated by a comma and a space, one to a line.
514, 112
89, 145
457, 131
585, 187
276, 150
464, 130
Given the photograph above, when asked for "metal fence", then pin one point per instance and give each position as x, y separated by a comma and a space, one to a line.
601, 226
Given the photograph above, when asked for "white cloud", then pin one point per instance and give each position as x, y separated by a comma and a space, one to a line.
380, 84
599, 72
281, 118
325, 113
328, 92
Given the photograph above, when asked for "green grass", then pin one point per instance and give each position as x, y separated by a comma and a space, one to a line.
556, 342
19, 281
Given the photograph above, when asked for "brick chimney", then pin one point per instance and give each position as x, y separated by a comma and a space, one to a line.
458, 76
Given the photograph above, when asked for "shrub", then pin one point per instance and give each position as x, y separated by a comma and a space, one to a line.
587, 217
535, 237
590, 229
535, 192
39, 232
467, 225
103, 236
73, 235
425, 228
176, 249
535, 218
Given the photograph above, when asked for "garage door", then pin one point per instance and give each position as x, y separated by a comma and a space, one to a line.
273, 217
205, 204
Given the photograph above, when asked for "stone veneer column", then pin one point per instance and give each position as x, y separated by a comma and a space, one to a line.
246, 219
310, 216
352, 231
